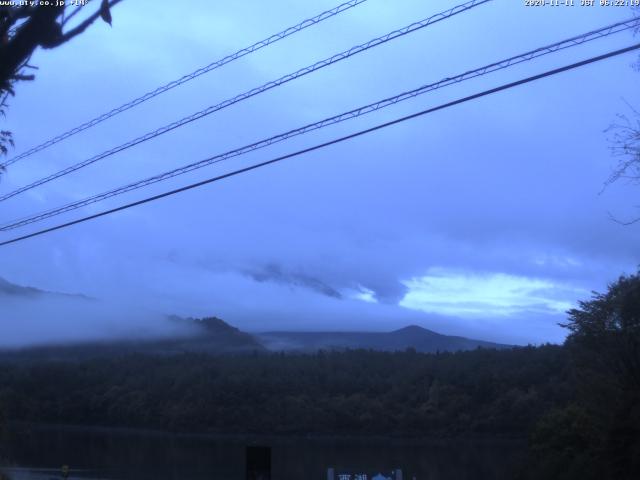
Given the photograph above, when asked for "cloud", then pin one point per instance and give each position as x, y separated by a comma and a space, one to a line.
274, 273
364, 294
473, 294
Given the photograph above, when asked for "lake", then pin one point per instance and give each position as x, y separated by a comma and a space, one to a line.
37, 453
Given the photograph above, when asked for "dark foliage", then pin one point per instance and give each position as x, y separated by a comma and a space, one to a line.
598, 435
26, 26
353, 392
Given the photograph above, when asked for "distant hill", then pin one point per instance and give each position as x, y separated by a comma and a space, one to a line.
206, 335
8, 289
213, 335
421, 339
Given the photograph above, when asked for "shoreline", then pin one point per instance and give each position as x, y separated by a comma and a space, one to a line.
283, 438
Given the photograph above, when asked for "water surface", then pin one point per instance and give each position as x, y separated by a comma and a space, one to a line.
29, 453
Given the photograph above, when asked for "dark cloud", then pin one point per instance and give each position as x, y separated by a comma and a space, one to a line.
274, 273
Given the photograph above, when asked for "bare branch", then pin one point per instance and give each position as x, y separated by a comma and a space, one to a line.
71, 15
78, 29
624, 142
20, 77
621, 222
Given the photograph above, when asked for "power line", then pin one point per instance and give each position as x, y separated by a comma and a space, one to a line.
372, 107
253, 92
331, 142
190, 76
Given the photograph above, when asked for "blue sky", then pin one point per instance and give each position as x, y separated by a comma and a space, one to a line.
484, 220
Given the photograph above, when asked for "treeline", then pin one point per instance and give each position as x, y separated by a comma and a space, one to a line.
353, 392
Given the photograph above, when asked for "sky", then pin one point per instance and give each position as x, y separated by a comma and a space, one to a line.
487, 219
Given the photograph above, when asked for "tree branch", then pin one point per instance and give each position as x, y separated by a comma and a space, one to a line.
23, 77
71, 15
620, 222
78, 29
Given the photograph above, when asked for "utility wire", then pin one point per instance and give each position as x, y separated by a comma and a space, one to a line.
372, 107
331, 142
186, 78
255, 91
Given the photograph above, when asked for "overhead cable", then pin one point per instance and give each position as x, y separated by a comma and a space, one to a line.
253, 92
329, 143
363, 110
188, 77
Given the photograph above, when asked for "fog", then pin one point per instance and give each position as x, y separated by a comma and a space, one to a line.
41, 318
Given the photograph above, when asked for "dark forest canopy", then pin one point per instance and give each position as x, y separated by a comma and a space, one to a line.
353, 392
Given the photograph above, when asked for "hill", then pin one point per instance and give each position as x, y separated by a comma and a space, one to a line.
207, 335
8, 289
421, 339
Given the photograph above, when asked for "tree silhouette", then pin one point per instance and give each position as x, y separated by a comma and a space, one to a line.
25, 27
598, 435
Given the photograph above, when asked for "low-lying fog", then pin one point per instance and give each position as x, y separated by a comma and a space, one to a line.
56, 319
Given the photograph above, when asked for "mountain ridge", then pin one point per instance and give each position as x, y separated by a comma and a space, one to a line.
412, 336
8, 288
209, 335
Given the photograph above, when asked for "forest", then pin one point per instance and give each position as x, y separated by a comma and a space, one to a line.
578, 404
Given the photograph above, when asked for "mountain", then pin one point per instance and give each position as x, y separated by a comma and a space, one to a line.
206, 335
421, 339
212, 335
8, 289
